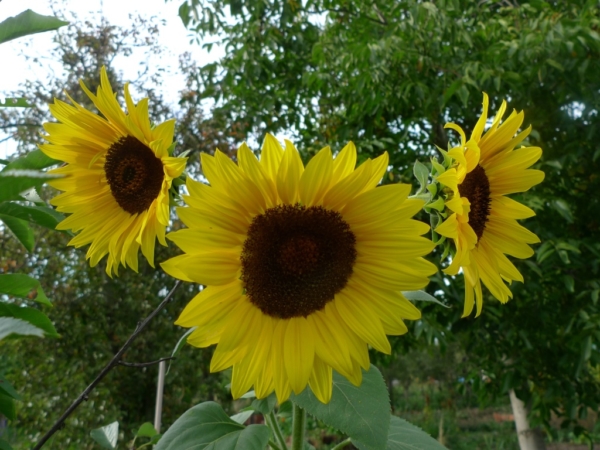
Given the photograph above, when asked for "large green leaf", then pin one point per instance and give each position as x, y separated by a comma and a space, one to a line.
106, 436
21, 285
422, 296
33, 316
14, 182
20, 229
363, 412
34, 160
404, 435
7, 406
264, 405
206, 426
41, 215
11, 325
7, 389
28, 22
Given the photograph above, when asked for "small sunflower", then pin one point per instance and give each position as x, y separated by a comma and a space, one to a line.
303, 267
483, 222
117, 177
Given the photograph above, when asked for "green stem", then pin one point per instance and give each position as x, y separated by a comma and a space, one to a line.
299, 418
273, 445
274, 425
342, 444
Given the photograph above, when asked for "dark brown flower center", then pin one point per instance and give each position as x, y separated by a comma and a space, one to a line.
295, 259
135, 175
476, 187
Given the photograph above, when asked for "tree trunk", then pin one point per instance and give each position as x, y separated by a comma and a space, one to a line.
529, 439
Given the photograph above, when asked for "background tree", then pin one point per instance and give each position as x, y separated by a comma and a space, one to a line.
93, 313
388, 75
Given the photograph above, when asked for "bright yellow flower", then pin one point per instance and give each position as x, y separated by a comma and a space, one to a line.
303, 267
117, 177
483, 221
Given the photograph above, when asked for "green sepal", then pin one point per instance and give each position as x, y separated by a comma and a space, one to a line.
439, 169
433, 189
438, 205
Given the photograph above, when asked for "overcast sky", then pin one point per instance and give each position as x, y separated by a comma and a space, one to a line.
173, 36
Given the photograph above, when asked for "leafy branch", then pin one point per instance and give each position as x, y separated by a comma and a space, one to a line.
112, 363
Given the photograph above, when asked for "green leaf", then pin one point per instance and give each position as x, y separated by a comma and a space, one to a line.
451, 90
242, 416
10, 325
106, 436
363, 412
569, 283
146, 430
7, 389
7, 406
421, 173
422, 296
207, 426
563, 208
5, 445
33, 316
15, 102
27, 23
21, 285
20, 229
34, 160
14, 182
41, 215
405, 436
265, 405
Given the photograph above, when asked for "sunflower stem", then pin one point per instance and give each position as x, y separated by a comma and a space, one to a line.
299, 419
274, 426
274, 446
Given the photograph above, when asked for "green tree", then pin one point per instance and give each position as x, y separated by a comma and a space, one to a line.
93, 313
388, 75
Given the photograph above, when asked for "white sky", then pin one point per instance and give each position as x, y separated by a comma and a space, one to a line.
173, 36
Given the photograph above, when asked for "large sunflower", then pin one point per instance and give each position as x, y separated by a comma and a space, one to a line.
117, 177
303, 268
483, 222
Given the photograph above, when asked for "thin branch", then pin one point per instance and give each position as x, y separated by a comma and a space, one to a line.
113, 362
380, 20
146, 364
24, 124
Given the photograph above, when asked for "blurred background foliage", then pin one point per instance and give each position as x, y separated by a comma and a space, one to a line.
387, 75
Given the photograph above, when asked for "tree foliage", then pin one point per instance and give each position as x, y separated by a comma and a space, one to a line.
94, 314
388, 75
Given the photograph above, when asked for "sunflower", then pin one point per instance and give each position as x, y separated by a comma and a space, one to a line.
303, 268
483, 220
117, 175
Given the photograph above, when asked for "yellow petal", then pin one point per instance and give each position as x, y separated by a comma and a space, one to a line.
271, 156
299, 352
316, 178
288, 175
362, 321
344, 163
321, 381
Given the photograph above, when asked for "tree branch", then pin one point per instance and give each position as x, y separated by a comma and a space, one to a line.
113, 362
146, 364
24, 124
